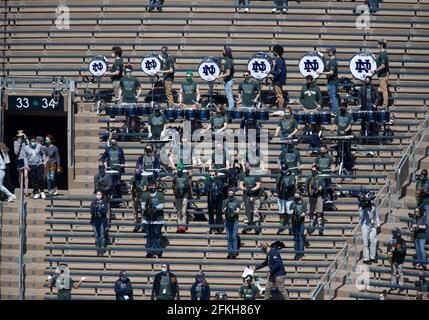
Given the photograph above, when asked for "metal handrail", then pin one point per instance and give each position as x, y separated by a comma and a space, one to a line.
403, 168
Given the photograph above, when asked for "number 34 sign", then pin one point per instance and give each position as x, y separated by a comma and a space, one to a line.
35, 103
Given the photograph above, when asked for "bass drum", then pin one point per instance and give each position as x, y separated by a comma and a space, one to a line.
361, 65
151, 64
260, 65
209, 69
311, 63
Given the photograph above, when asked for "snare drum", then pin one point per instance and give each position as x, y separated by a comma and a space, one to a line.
203, 115
301, 117
146, 110
313, 118
110, 109
180, 113
238, 114
130, 110
191, 114
384, 116
250, 115
325, 117
371, 116
263, 114
170, 114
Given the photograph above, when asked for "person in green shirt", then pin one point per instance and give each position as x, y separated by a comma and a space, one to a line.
167, 71
220, 158
291, 157
382, 71
314, 184
63, 282
138, 186
331, 72
182, 193
189, 92
116, 70
157, 123
286, 187
343, 126
287, 127
326, 165
228, 75
130, 88
422, 191
152, 204
231, 209
250, 185
218, 122
249, 291
248, 91
311, 96
299, 211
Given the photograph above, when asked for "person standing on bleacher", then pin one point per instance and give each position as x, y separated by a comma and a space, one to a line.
280, 4
113, 159
152, 203
231, 208
200, 289
287, 127
369, 220
152, 4
314, 184
139, 185
99, 216
182, 194
331, 72
167, 72
250, 185
214, 189
299, 212
286, 187
291, 157
327, 166
397, 246
228, 75
129, 87
311, 96
103, 181
279, 73
248, 91
116, 70
382, 71
342, 126
156, 124
368, 96
63, 281
242, 4
34, 155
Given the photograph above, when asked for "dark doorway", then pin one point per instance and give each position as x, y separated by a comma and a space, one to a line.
38, 125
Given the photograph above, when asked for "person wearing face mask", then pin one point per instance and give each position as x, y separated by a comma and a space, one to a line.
292, 157
299, 211
218, 122
165, 285
286, 187
148, 161
52, 165
248, 91
34, 156
152, 204
220, 158
277, 272
287, 127
167, 71
250, 185
343, 126
232, 175
4, 160
63, 281
19, 143
231, 209
130, 88
369, 220
382, 71
200, 289
331, 72
189, 94
326, 166
368, 95
314, 184
123, 287
103, 181
419, 225
214, 189
152, 4
116, 70
397, 246
249, 291
311, 96
182, 193
228, 75
422, 191
139, 185
157, 123
99, 215
279, 73
113, 158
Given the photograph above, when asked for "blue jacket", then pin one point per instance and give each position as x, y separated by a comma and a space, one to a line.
105, 156
205, 292
275, 264
124, 289
279, 72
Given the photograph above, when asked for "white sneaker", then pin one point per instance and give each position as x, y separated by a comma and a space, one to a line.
284, 11
11, 198
43, 195
246, 10
274, 10
36, 196
55, 192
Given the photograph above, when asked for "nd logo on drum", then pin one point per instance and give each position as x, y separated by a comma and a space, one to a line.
209, 69
311, 65
259, 66
150, 64
361, 66
97, 66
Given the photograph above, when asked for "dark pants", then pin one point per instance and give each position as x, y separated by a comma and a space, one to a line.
215, 211
153, 242
232, 236
116, 185
36, 178
298, 237
99, 227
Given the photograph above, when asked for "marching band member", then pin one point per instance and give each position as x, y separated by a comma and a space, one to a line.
189, 95
228, 75
167, 71
248, 91
279, 74
311, 97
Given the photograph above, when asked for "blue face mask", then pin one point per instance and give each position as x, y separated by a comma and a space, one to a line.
34, 144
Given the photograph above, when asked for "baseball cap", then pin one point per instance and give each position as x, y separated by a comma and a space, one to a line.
189, 72
333, 50
164, 49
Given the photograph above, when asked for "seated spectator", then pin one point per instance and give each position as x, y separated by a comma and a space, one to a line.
123, 287
249, 291
165, 286
34, 155
63, 281
200, 290
99, 216
242, 4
